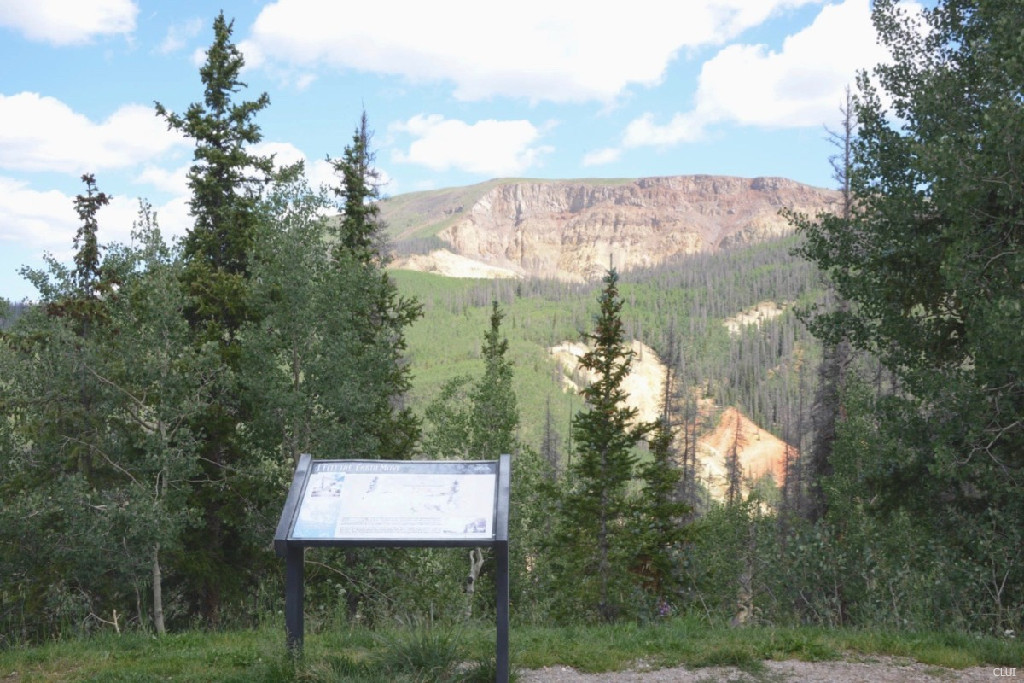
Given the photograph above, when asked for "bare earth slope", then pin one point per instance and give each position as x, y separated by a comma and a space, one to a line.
573, 229
759, 452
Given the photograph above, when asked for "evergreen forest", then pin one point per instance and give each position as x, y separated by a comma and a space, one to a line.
156, 396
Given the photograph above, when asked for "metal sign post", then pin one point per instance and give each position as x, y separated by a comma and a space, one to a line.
395, 503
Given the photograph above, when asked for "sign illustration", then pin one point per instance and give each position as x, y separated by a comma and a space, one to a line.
353, 500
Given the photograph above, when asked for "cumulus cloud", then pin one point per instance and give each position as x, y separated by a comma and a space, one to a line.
799, 85
173, 181
599, 157
46, 220
44, 134
60, 22
179, 34
284, 153
644, 130
489, 147
42, 219
539, 50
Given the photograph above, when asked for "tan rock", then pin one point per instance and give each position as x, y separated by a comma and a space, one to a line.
573, 229
759, 452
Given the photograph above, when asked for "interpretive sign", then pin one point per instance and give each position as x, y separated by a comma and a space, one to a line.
374, 500
395, 503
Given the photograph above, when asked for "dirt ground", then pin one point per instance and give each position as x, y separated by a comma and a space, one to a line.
866, 670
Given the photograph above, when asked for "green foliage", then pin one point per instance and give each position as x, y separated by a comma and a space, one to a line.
311, 355
151, 458
325, 361
929, 260
592, 531
222, 190
659, 527
226, 182
99, 447
360, 232
87, 254
495, 417
379, 314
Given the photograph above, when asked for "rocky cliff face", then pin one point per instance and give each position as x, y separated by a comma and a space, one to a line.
572, 230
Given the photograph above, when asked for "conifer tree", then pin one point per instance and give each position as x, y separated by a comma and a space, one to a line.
377, 314
596, 505
660, 523
495, 416
361, 230
226, 181
87, 254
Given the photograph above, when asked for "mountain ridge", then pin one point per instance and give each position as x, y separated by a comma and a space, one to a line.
572, 230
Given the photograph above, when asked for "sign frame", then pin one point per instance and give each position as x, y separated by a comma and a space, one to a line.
292, 547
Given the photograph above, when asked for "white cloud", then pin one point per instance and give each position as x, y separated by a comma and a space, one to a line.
46, 220
64, 22
284, 153
573, 50
174, 181
644, 131
320, 172
800, 85
600, 157
489, 147
44, 134
30, 217
179, 34
304, 81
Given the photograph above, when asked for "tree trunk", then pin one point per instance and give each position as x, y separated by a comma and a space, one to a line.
476, 562
158, 598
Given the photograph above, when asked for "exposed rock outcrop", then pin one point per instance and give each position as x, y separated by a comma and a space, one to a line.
572, 230
759, 452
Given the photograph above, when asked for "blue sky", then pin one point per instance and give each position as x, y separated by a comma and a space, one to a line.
457, 92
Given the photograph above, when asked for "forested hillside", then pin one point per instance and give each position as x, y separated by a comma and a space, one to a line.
679, 309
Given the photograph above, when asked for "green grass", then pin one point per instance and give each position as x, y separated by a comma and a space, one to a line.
409, 654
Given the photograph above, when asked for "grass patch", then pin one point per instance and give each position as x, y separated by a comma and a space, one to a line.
466, 653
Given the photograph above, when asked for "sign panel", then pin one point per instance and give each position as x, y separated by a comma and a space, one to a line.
397, 501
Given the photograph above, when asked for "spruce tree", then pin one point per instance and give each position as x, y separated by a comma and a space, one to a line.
594, 535
361, 230
87, 254
495, 418
226, 182
376, 313
660, 513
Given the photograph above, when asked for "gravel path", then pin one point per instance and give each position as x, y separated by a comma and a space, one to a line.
870, 670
